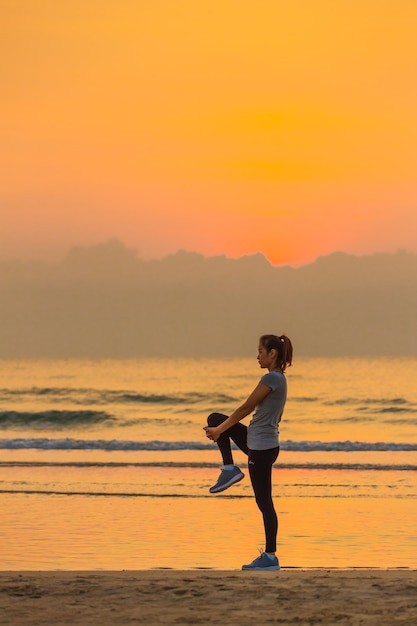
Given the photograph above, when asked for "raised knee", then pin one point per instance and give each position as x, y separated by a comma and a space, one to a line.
214, 419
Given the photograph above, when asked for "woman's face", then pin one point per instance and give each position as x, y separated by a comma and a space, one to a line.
266, 359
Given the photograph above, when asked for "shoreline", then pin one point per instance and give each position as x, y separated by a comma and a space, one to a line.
221, 570
347, 596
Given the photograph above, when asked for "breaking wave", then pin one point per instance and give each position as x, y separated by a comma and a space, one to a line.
52, 419
163, 446
110, 396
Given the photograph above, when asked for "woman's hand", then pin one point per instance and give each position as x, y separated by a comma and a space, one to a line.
212, 432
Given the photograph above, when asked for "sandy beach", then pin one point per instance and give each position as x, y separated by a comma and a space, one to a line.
319, 596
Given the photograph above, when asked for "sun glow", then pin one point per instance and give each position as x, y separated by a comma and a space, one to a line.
209, 126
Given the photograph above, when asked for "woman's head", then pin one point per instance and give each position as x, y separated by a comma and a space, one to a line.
282, 347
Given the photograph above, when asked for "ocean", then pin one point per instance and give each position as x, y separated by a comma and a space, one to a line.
104, 465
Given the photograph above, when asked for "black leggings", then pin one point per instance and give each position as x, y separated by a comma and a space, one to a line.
260, 470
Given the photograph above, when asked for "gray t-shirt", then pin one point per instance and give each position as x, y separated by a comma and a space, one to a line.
263, 429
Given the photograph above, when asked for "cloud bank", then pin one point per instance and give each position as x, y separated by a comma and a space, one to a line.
104, 301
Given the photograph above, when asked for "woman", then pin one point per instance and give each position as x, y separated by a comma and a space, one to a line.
259, 440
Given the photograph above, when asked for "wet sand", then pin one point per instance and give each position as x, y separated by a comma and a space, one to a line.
290, 596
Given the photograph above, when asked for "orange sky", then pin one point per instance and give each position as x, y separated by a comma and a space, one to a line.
221, 126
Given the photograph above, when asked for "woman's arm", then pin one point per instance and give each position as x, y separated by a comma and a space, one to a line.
258, 394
